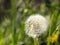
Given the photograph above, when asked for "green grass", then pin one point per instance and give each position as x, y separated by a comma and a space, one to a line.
12, 29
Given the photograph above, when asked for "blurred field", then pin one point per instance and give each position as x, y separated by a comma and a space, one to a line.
13, 14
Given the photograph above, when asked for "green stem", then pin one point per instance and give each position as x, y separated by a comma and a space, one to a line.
13, 14
36, 42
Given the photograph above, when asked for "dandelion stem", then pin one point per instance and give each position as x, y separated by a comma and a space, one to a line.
36, 42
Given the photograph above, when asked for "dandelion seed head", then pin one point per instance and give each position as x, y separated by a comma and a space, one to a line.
36, 25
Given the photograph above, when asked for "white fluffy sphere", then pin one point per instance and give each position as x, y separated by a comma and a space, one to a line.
36, 25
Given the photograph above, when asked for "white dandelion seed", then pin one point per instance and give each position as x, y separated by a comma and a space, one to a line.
25, 10
36, 25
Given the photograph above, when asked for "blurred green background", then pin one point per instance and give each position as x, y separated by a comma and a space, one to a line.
13, 14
